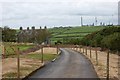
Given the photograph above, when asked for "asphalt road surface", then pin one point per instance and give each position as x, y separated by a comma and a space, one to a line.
70, 64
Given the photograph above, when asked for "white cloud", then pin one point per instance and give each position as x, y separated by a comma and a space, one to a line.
59, 0
55, 12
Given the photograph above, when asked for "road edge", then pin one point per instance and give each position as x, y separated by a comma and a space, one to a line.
88, 60
56, 57
26, 77
43, 65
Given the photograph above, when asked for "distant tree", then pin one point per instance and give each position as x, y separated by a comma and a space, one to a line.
40, 27
100, 23
8, 35
42, 36
33, 27
93, 24
21, 28
45, 27
27, 28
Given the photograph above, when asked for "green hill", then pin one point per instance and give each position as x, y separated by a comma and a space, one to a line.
64, 33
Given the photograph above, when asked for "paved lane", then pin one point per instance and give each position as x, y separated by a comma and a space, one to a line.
70, 64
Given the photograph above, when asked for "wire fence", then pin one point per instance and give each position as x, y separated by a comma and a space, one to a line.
17, 62
24, 62
106, 63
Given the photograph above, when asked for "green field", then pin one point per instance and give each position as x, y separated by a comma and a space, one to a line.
38, 56
10, 48
72, 32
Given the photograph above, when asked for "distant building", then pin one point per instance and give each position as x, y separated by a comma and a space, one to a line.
33, 35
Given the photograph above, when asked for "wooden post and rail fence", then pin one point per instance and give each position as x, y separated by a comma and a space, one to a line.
79, 48
18, 53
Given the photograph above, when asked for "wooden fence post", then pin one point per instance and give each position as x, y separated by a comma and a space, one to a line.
57, 49
96, 56
80, 49
18, 64
3, 51
107, 65
83, 49
77, 48
118, 64
90, 52
42, 54
86, 50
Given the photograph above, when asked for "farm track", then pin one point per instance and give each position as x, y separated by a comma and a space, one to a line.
70, 64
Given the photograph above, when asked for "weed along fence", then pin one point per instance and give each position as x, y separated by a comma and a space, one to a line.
20, 60
105, 63
9, 49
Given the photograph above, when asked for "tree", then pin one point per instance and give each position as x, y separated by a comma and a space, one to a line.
8, 35
112, 41
42, 35
96, 41
21, 28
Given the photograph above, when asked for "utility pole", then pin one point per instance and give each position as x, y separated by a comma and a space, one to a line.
112, 20
109, 22
81, 21
95, 21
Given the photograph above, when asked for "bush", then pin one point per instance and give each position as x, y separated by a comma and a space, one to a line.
106, 38
112, 41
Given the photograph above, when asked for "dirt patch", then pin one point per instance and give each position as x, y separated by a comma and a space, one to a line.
48, 50
9, 65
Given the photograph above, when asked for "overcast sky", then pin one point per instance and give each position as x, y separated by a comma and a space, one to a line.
27, 13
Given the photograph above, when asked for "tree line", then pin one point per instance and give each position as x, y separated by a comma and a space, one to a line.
106, 38
25, 36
